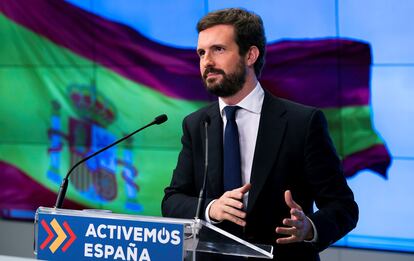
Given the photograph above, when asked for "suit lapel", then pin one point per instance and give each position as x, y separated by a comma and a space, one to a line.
270, 135
215, 152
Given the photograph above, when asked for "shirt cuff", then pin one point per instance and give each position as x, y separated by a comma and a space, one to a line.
207, 216
315, 233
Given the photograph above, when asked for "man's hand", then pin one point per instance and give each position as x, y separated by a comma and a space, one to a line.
298, 227
230, 206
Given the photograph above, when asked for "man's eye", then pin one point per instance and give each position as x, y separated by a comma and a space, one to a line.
201, 53
219, 49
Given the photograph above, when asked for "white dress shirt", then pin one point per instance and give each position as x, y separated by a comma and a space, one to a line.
247, 119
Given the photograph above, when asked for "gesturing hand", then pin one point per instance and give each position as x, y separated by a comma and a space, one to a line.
298, 227
229, 206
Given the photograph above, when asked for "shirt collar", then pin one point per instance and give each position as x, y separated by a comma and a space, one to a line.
252, 102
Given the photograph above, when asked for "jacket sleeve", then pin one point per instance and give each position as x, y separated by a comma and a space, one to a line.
337, 211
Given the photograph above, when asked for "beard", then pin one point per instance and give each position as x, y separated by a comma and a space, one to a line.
230, 84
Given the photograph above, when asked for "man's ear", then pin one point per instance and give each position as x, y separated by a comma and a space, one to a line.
252, 55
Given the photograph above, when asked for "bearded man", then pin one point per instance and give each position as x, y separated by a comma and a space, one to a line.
270, 159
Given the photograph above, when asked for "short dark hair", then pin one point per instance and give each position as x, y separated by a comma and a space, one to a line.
248, 27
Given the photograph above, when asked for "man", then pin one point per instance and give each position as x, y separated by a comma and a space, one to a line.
269, 159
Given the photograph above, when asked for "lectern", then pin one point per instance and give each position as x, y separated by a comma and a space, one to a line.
63, 234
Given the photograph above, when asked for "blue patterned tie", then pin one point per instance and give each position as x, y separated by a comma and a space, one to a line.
232, 162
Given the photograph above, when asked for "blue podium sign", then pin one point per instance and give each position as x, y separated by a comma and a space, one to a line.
65, 237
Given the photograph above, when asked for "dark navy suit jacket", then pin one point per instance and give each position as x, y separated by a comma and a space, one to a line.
293, 151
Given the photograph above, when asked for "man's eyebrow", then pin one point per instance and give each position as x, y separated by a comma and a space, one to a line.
218, 45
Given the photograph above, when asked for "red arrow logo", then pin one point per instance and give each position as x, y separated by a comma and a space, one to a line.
49, 234
71, 234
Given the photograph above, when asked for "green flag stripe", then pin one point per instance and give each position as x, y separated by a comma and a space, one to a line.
351, 130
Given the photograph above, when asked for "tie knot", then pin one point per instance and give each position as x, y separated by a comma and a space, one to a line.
231, 112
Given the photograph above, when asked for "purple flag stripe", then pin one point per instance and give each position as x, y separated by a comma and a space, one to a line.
376, 158
321, 73
19, 191
305, 71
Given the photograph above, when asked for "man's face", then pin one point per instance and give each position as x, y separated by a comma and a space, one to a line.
223, 70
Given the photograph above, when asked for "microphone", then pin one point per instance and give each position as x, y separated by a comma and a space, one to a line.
158, 120
64, 186
201, 196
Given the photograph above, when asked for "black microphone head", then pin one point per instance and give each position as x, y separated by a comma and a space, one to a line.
160, 119
206, 120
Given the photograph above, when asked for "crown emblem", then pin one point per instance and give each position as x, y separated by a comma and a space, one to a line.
91, 106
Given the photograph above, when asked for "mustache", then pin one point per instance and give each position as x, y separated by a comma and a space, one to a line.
212, 70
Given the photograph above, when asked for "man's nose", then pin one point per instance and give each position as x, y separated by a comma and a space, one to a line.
207, 61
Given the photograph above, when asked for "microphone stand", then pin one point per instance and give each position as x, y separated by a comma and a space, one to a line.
201, 196
64, 186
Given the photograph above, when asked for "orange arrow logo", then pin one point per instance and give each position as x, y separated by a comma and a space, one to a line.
61, 235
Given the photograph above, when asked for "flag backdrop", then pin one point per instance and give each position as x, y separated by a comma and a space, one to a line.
72, 82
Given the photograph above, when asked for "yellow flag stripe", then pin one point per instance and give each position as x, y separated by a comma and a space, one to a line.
61, 236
